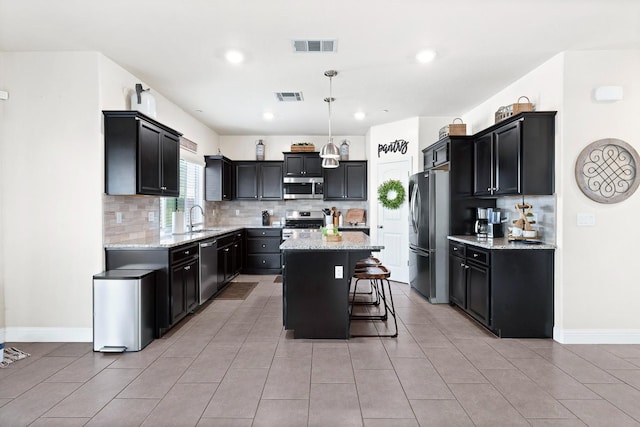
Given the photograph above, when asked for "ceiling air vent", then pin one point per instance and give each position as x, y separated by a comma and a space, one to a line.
289, 96
314, 45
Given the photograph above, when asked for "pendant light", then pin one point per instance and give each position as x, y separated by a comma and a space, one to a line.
330, 152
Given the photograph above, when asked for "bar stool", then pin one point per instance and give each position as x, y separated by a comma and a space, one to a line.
377, 276
361, 265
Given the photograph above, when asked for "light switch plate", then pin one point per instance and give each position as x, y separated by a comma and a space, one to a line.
151, 216
339, 272
118, 217
586, 219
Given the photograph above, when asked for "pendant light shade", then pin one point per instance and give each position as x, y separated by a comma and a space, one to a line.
329, 163
330, 151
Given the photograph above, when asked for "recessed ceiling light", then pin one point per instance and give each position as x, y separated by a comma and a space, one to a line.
425, 56
268, 116
359, 115
234, 56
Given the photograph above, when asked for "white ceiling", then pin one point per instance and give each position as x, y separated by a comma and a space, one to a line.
177, 48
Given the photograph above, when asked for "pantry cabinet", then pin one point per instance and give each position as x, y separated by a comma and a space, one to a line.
141, 155
516, 156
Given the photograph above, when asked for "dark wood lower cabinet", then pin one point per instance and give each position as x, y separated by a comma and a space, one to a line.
508, 291
263, 251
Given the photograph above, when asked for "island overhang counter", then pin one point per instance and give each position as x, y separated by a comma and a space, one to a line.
316, 275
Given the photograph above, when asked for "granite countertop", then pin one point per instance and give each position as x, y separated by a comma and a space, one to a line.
310, 241
172, 240
500, 243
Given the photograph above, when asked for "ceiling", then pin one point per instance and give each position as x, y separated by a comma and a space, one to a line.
177, 48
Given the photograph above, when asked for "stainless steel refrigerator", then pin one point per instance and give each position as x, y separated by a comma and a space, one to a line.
428, 229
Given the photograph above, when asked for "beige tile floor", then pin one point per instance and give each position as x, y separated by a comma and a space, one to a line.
232, 364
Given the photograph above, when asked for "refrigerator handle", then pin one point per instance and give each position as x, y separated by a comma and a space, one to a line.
414, 193
432, 212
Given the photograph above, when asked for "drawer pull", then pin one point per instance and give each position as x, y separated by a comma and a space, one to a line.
186, 252
264, 246
264, 261
455, 249
188, 267
475, 255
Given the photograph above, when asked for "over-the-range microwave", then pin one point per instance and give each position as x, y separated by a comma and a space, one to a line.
303, 187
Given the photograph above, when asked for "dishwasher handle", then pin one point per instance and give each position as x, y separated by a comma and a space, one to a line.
208, 244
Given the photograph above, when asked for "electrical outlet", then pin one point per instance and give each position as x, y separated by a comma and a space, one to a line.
151, 216
339, 272
237, 212
271, 212
585, 219
118, 217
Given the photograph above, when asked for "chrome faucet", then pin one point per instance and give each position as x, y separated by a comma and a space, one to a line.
191, 216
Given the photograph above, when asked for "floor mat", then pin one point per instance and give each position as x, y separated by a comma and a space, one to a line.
11, 354
237, 290
278, 279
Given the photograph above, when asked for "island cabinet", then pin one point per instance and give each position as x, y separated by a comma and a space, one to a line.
177, 278
516, 156
508, 291
218, 178
263, 251
230, 257
346, 182
302, 164
142, 155
258, 180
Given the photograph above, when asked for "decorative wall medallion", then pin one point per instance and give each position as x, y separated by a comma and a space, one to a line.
607, 170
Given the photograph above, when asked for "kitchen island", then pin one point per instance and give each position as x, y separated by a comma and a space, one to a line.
316, 277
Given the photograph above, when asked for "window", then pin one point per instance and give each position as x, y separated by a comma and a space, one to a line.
191, 194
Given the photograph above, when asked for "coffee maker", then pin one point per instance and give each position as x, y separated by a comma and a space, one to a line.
495, 220
482, 223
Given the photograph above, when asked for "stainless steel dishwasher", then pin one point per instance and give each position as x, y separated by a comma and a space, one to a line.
208, 269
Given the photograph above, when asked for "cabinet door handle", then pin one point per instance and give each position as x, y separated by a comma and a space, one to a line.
264, 246
475, 255
226, 249
188, 267
455, 249
186, 252
489, 189
264, 262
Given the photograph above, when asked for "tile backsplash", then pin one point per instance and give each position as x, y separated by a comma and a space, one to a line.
135, 210
544, 209
135, 223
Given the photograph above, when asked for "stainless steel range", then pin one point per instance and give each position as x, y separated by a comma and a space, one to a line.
301, 220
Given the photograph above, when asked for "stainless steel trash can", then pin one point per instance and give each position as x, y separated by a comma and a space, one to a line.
123, 310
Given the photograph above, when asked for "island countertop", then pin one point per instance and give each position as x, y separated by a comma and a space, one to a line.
312, 241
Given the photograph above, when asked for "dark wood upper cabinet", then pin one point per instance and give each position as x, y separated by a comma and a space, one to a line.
142, 156
516, 156
346, 182
218, 178
302, 164
258, 180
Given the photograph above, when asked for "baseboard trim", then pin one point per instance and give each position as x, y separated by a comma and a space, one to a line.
596, 336
20, 334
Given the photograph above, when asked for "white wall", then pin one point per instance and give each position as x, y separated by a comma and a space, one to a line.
243, 147
52, 220
599, 278
596, 292
52, 183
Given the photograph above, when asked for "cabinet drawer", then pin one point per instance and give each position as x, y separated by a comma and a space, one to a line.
184, 252
457, 249
264, 261
477, 255
266, 245
263, 232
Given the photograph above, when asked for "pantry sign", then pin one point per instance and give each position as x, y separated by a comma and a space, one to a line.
397, 146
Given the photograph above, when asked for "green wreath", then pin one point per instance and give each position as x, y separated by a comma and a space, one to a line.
391, 186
